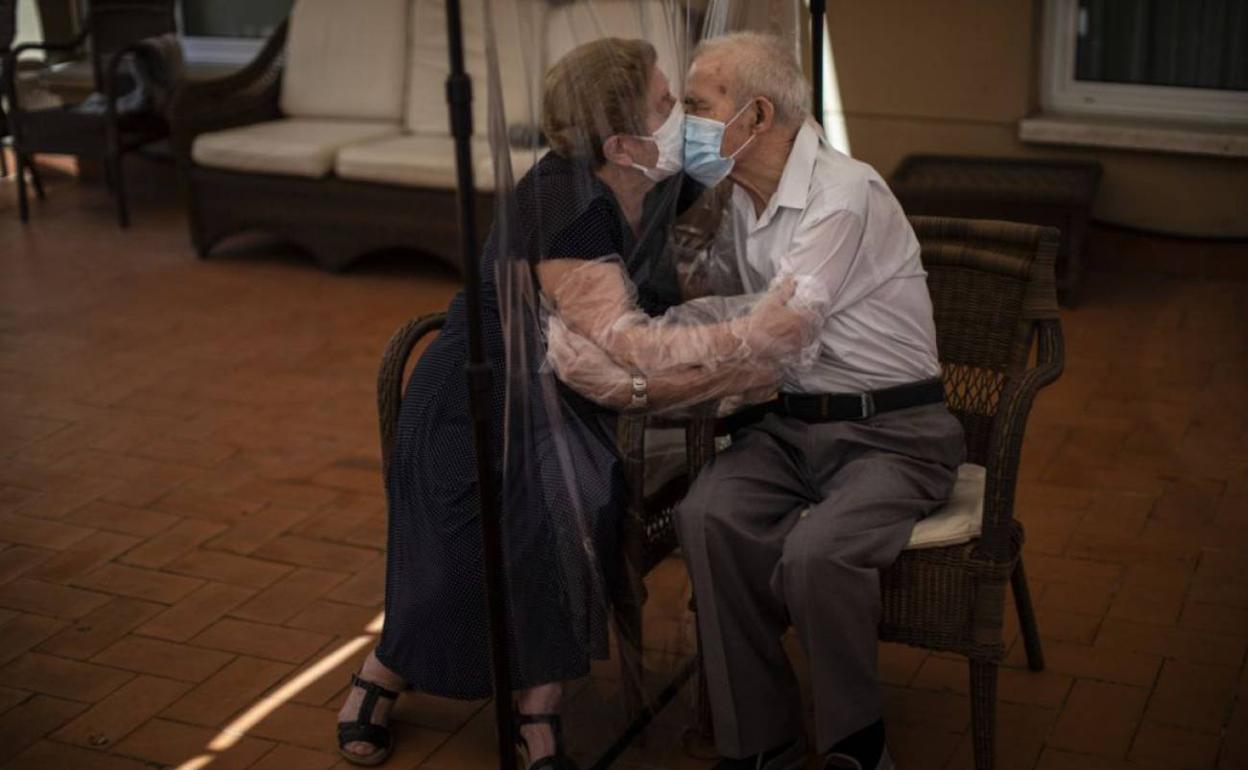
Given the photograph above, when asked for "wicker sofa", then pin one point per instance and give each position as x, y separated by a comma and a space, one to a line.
336, 136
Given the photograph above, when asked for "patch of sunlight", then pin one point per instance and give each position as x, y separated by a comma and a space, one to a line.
833, 112
258, 711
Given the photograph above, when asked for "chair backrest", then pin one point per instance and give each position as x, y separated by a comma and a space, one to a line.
990, 282
661, 22
390, 381
114, 24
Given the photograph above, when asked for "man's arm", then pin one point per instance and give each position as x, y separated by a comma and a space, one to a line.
825, 253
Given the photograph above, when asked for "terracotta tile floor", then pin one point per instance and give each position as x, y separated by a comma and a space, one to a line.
192, 522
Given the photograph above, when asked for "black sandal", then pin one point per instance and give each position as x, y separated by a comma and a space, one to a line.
362, 730
557, 761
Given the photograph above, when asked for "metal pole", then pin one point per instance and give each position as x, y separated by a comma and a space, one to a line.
817, 10
459, 98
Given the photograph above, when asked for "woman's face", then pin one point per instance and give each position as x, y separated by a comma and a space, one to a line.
659, 104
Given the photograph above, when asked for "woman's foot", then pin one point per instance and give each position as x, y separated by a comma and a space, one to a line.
373, 672
539, 728
539, 741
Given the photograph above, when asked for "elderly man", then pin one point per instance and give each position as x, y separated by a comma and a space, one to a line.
791, 525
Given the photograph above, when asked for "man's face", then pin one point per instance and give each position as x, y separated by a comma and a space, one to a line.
707, 95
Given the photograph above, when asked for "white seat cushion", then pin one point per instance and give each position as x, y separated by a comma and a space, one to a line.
958, 521
292, 146
346, 60
422, 161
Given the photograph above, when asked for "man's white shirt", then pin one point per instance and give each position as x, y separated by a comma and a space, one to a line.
834, 224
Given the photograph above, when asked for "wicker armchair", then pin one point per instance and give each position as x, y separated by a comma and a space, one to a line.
993, 293
8, 31
114, 28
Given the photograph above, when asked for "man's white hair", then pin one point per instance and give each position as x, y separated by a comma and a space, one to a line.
762, 65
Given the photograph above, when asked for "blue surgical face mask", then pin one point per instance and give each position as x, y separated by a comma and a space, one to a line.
703, 139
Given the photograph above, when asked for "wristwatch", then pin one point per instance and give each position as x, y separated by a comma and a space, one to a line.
639, 394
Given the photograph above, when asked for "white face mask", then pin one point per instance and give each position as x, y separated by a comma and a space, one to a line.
670, 141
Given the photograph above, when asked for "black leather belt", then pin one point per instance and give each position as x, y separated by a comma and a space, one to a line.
839, 406
829, 407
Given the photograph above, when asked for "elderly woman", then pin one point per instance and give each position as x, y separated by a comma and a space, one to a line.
590, 221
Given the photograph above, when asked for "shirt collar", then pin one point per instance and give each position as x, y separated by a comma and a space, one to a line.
794, 185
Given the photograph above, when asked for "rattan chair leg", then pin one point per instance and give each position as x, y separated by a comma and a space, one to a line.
36, 180
984, 713
703, 725
632, 671
1027, 617
23, 205
119, 189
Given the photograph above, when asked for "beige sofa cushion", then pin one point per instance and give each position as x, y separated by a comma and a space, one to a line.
958, 521
292, 146
422, 161
517, 24
346, 59
658, 21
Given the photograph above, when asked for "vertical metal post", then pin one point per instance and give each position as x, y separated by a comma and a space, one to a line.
459, 99
817, 10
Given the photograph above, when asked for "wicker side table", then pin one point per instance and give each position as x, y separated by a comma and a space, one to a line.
1041, 192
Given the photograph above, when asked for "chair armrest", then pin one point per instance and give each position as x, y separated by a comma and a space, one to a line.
238, 99
1006, 440
390, 377
12, 55
631, 440
110, 70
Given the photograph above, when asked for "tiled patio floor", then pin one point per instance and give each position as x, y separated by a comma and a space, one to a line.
191, 521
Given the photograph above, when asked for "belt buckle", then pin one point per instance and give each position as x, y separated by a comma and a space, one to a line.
868, 405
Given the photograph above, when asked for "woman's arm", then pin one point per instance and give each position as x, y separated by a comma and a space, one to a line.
588, 370
596, 300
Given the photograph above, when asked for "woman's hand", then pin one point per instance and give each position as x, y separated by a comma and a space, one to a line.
773, 329
588, 370
585, 368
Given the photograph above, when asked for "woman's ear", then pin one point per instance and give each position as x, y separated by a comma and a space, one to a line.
614, 149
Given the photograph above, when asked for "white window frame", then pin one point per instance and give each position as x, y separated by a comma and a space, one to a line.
1062, 93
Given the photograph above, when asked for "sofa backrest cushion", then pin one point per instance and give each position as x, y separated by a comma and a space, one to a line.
346, 59
661, 22
518, 32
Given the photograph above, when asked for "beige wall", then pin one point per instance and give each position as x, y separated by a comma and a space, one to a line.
955, 76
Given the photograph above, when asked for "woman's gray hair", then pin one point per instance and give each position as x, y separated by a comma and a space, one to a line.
762, 65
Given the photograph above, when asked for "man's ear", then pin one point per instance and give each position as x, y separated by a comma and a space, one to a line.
614, 150
764, 115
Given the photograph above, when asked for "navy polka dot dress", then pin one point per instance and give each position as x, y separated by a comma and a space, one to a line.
560, 538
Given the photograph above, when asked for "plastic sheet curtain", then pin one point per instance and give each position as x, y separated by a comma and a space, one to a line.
594, 277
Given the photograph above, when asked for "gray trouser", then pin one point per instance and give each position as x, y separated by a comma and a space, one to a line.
790, 526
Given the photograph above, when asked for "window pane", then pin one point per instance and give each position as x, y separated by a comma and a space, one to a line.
232, 18
1184, 43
